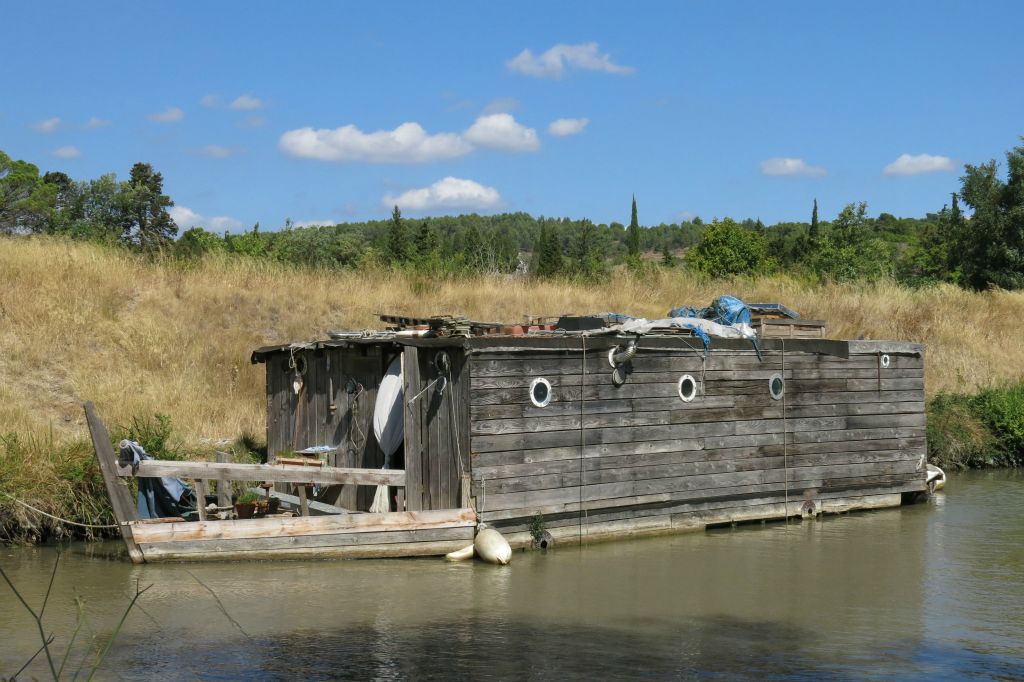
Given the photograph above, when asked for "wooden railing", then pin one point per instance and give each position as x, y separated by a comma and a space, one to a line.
201, 472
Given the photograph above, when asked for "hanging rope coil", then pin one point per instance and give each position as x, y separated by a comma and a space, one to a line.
57, 518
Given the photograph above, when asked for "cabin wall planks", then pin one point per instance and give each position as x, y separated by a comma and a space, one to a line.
845, 424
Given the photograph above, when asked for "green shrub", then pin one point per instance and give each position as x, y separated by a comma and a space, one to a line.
155, 435
957, 437
1002, 410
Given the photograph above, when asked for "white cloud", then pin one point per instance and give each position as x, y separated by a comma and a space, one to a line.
68, 152
908, 164
568, 126
223, 223
408, 143
313, 223
501, 105
557, 60
502, 131
217, 151
210, 101
449, 193
184, 217
93, 123
169, 115
781, 166
246, 102
48, 126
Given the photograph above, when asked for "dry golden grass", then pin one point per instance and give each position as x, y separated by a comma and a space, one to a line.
80, 322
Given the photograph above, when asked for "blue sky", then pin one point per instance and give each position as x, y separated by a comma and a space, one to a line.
324, 112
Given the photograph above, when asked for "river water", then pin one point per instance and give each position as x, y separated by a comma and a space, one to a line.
928, 592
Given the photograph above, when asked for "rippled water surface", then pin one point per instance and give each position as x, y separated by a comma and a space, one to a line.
932, 591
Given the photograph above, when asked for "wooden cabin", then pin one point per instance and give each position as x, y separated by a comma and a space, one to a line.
585, 433
516, 426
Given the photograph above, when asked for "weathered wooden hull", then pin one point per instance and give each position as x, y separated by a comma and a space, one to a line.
603, 461
355, 536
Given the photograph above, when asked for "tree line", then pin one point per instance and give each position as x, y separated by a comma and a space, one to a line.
985, 248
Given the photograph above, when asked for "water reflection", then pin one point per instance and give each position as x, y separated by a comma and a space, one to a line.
926, 592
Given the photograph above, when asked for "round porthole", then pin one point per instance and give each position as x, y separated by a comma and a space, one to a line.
687, 388
885, 361
540, 392
776, 386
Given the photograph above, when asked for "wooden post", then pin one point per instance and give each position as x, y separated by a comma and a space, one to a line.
223, 487
201, 498
303, 502
120, 496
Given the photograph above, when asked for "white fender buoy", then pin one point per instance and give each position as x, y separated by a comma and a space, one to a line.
935, 478
491, 546
460, 554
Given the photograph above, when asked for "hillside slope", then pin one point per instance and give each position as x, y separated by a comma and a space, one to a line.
80, 322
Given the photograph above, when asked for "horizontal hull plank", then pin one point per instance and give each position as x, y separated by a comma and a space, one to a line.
305, 525
686, 462
489, 393
484, 464
684, 362
319, 541
535, 424
672, 402
545, 439
713, 509
604, 377
896, 483
660, 478
184, 552
682, 486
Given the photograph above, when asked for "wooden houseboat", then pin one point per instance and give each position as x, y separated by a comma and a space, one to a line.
590, 433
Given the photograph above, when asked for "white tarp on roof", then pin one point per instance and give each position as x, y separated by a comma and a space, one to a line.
723, 331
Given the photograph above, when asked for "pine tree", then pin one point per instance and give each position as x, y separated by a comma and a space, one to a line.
633, 236
426, 241
398, 240
547, 253
473, 248
667, 258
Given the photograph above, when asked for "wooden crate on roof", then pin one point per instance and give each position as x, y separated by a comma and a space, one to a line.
789, 328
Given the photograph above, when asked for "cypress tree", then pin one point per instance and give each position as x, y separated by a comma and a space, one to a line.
633, 236
815, 232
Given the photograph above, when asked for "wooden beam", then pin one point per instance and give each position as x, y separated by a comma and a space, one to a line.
293, 501
278, 473
120, 496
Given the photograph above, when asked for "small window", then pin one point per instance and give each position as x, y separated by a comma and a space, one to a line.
776, 386
540, 392
885, 361
687, 388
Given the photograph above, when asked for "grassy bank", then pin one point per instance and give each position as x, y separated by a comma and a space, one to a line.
80, 322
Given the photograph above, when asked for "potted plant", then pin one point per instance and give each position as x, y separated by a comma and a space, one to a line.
245, 506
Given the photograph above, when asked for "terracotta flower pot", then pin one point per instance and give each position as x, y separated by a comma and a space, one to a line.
245, 511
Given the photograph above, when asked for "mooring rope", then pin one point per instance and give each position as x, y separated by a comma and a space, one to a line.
57, 518
785, 430
583, 399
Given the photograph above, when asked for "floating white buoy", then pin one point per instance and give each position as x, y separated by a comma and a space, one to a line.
935, 478
460, 554
491, 546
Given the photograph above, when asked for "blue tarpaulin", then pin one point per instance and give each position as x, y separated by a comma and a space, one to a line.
158, 497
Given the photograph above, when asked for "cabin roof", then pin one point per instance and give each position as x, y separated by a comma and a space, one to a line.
500, 343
